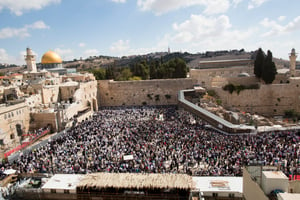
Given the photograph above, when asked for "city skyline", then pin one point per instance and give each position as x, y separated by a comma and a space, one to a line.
75, 29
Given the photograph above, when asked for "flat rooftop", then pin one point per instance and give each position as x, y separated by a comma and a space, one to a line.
274, 174
288, 196
63, 182
218, 183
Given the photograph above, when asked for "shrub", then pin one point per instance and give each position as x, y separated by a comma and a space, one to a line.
168, 96
212, 93
157, 97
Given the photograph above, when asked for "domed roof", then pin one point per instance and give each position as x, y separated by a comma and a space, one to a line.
51, 57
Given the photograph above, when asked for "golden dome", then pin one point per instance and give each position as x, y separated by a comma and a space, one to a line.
51, 57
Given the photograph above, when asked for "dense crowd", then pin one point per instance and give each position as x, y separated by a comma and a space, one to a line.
158, 140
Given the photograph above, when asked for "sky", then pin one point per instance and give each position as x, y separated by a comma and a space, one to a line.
77, 28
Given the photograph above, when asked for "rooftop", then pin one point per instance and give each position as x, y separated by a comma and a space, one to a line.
274, 174
219, 183
63, 182
288, 196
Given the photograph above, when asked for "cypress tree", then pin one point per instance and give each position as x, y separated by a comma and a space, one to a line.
258, 63
269, 69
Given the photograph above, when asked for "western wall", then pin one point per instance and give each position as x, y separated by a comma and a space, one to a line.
147, 92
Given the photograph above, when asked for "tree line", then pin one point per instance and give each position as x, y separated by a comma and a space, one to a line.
144, 70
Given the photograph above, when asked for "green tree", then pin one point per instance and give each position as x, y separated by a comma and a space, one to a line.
124, 75
110, 73
258, 63
180, 68
99, 73
269, 69
154, 65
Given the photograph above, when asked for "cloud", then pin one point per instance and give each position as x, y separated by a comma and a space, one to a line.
159, 7
65, 54
276, 29
208, 33
236, 2
18, 60
37, 25
21, 32
19, 6
62, 52
91, 52
120, 47
4, 56
256, 3
81, 44
281, 18
119, 1
199, 26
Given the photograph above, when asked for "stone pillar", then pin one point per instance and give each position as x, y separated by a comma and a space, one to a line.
293, 57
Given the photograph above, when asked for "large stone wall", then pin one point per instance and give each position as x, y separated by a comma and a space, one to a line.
269, 100
205, 77
148, 92
44, 119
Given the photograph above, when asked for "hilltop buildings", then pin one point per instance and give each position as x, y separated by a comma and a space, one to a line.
40, 98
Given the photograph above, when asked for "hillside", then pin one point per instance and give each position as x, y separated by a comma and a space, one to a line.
192, 60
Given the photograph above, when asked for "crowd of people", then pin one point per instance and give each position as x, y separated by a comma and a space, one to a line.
158, 140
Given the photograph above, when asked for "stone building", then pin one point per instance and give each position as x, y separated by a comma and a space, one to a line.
14, 122
45, 97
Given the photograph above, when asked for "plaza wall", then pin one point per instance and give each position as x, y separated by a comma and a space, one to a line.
147, 92
268, 100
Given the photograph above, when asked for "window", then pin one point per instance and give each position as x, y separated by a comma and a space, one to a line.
19, 129
67, 191
53, 190
1, 142
214, 194
12, 136
231, 195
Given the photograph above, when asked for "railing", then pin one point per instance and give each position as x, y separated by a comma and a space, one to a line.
25, 144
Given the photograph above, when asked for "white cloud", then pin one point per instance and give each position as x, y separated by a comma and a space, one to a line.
21, 32
160, 7
91, 52
81, 44
119, 1
199, 26
38, 25
120, 47
256, 3
206, 33
281, 18
19, 6
277, 29
63, 52
4, 56
236, 2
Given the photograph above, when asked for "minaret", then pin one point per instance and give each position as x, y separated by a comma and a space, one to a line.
293, 57
30, 60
